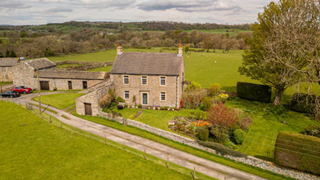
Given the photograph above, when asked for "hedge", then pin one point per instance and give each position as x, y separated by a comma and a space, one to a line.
303, 102
254, 92
203, 133
221, 149
298, 151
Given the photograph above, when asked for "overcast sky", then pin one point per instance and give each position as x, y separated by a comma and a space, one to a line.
19, 12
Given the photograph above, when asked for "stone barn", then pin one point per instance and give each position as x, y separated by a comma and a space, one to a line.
25, 74
149, 79
6, 69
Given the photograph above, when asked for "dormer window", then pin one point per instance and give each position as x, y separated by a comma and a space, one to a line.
144, 80
126, 80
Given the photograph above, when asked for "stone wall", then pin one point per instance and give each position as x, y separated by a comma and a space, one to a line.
93, 99
62, 84
23, 75
6, 74
172, 89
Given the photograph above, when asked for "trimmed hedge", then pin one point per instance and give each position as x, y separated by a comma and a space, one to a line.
303, 102
203, 133
298, 151
254, 92
222, 149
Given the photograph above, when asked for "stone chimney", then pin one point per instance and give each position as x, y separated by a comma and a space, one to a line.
180, 51
119, 49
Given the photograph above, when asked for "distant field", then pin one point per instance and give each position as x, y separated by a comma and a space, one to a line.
106, 69
213, 31
205, 68
31, 148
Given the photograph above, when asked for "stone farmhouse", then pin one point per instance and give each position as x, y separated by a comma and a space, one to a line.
25, 74
149, 79
6, 69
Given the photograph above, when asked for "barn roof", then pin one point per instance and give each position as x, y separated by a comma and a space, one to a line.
73, 75
42, 63
147, 64
8, 62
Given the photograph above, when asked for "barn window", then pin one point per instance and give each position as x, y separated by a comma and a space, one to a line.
3, 68
162, 81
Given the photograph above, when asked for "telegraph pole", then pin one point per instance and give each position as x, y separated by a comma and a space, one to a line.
39, 90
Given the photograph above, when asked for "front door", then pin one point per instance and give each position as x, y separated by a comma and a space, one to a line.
144, 98
70, 84
87, 109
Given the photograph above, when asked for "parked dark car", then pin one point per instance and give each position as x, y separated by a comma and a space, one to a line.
11, 94
22, 89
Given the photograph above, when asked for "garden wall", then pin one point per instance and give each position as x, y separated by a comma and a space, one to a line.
83, 66
254, 92
298, 151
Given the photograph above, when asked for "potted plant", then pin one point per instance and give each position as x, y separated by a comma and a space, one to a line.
149, 107
158, 107
154, 108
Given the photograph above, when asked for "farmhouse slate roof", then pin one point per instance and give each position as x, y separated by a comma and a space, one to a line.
42, 63
147, 64
8, 62
73, 75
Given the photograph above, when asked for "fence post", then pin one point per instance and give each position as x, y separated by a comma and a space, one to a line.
194, 173
124, 147
49, 119
105, 139
144, 154
19, 102
168, 162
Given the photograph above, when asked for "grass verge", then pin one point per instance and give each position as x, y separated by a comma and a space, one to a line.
60, 101
183, 147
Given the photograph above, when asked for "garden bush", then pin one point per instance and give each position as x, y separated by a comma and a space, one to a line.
221, 149
245, 123
203, 133
238, 136
207, 103
194, 86
298, 151
120, 99
254, 92
303, 102
214, 89
105, 101
313, 130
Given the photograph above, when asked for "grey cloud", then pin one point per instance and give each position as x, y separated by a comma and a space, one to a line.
105, 4
59, 9
188, 6
13, 4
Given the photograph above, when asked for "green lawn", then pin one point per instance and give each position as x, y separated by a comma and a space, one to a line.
67, 65
266, 124
5, 83
59, 101
182, 147
155, 118
104, 69
33, 149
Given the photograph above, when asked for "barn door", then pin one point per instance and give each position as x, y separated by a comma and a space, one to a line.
70, 84
88, 109
85, 84
44, 85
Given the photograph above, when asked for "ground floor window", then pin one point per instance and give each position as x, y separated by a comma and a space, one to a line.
126, 95
162, 96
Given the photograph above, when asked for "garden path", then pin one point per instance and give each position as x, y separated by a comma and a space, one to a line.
161, 151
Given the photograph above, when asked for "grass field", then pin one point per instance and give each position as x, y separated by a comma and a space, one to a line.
66, 65
104, 69
32, 149
59, 101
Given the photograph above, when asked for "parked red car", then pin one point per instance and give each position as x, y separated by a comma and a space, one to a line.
22, 89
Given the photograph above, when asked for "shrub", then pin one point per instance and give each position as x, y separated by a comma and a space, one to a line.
221, 149
203, 133
120, 99
140, 106
254, 92
105, 101
220, 133
313, 130
298, 151
194, 86
238, 136
112, 93
245, 123
214, 89
191, 100
220, 115
304, 103
223, 97
206, 103
55, 89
